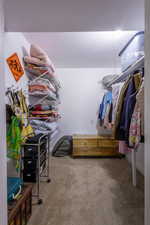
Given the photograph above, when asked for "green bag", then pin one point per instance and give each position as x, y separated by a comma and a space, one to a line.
14, 140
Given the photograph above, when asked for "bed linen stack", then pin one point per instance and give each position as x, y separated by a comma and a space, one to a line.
43, 91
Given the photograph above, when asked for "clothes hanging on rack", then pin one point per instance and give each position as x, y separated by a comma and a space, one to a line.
116, 88
14, 139
127, 108
107, 123
105, 106
123, 147
107, 80
18, 126
9, 114
119, 107
127, 114
136, 131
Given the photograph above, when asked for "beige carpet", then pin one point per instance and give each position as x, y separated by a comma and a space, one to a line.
90, 192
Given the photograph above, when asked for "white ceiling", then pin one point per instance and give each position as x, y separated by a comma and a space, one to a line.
82, 49
73, 15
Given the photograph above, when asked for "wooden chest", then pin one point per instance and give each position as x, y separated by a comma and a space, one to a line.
93, 145
19, 211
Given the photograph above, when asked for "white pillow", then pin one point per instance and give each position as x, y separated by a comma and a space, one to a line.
39, 57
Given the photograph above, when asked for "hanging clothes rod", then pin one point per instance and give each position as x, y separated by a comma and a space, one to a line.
137, 65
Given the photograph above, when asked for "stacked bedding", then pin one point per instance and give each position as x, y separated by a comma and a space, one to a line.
49, 115
44, 127
43, 91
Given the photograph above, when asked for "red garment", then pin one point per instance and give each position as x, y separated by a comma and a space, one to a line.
37, 107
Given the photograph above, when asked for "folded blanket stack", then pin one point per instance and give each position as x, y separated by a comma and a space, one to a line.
43, 91
44, 127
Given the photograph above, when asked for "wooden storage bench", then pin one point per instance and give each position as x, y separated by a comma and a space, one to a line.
19, 211
93, 145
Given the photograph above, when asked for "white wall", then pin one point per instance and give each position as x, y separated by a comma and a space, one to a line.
14, 42
2, 16
80, 97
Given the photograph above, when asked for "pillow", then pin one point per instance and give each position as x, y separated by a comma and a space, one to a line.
37, 52
48, 94
38, 62
39, 57
42, 84
35, 70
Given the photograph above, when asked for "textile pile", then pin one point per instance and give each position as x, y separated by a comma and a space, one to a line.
43, 91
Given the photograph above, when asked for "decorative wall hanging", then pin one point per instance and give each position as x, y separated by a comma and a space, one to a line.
15, 66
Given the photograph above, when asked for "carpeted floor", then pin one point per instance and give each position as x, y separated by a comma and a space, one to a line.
90, 192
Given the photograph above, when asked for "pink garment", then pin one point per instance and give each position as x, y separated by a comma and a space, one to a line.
123, 148
140, 101
135, 128
137, 120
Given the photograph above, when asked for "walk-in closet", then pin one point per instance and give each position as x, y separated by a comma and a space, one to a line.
74, 112
75, 127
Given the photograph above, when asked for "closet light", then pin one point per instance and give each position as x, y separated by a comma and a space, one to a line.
118, 32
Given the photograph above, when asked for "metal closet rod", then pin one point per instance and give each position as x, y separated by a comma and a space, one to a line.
137, 65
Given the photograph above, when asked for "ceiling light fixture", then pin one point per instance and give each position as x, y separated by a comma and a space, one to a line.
118, 33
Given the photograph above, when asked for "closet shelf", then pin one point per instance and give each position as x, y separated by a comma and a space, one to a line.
138, 64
